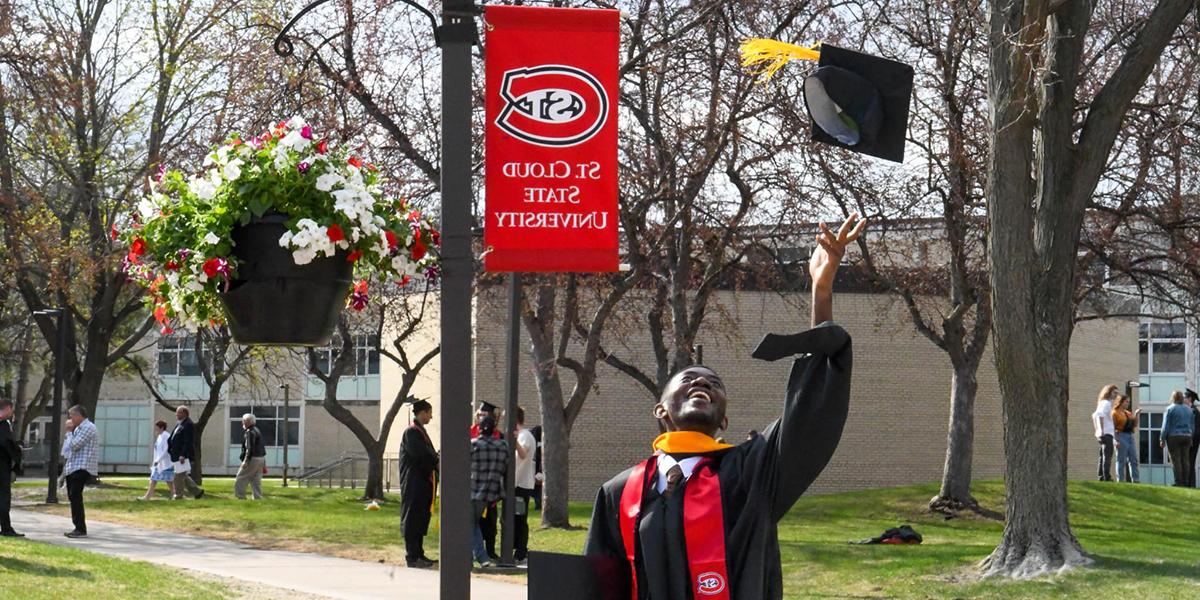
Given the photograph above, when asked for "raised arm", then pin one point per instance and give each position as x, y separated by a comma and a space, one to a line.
823, 264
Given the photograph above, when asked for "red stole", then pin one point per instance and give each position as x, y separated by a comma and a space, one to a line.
703, 527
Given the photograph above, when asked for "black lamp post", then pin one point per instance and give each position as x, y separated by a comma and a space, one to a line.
455, 36
60, 372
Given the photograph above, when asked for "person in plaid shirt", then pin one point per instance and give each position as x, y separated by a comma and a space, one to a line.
81, 454
489, 460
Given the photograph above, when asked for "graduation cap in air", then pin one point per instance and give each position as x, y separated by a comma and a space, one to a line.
856, 101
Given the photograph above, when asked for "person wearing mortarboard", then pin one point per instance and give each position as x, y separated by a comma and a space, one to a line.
418, 469
698, 519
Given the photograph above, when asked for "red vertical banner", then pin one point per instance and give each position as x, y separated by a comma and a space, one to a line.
551, 139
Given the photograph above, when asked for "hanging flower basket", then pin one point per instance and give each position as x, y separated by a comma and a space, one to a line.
274, 237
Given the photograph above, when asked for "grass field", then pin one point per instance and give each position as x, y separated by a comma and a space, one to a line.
35, 571
1145, 539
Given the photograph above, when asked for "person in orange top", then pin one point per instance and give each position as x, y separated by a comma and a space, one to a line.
1125, 422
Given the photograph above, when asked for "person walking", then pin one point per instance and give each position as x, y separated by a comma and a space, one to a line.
10, 466
254, 460
1125, 422
181, 446
1102, 422
418, 466
81, 462
524, 480
162, 469
489, 521
489, 459
1177, 428
1192, 401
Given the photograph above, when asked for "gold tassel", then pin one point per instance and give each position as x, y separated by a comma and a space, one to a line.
775, 54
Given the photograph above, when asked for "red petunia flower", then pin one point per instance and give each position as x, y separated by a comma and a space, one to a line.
335, 233
360, 287
418, 249
391, 240
355, 162
353, 256
414, 215
172, 265
322, 147
404, 281
112, 231
160, 314
214, 266
436, 236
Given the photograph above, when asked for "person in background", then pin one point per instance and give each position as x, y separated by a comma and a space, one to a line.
1192, 400
81, 462
418, 465
525, 481
161, 469
538, 476
181, 446
254, 460
489, 461
1102, 422
10, 466
1125, 423
489, 522
1177, 428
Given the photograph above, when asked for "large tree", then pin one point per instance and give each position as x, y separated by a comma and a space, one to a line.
96, 93
398, 324
1047, 157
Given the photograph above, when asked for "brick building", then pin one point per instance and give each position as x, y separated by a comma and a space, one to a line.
896, 431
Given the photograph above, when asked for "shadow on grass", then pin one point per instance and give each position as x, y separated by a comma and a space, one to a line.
25, 567
1142, 569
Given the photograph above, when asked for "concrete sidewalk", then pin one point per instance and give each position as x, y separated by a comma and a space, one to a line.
309, 573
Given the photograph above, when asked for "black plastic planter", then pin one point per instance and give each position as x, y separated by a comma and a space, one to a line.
275, 302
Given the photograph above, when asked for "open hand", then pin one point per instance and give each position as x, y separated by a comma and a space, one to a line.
823, 264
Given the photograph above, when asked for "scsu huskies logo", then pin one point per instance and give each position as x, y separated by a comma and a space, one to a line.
552, 105
710, 583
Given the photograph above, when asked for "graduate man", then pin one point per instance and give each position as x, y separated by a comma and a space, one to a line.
418, 464
697, 520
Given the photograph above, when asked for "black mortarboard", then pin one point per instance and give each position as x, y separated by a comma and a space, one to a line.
488, 407
553, 576
860, 102
1192, 393
855, 100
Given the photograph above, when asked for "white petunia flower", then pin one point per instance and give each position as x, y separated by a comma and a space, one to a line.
211, 239
294, 140
303, 256
285, 240
202, 188
233, 169
295, 122
147, 208
326, 182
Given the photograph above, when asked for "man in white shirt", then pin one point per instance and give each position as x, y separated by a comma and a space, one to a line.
524, 480
1102, 422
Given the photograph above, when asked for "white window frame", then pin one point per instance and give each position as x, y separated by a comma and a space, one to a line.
1144, 336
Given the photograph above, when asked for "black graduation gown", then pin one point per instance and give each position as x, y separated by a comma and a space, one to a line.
760, 479
418, 461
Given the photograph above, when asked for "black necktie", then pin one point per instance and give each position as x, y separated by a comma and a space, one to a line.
674, 476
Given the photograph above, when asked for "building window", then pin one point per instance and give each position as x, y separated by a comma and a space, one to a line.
366, 355
125, 433
177, 356
1161, 348
1149, 435
270, 422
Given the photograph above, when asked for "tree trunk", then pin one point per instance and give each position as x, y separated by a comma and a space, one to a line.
373, 490
556, 461
955, 493
1037, 536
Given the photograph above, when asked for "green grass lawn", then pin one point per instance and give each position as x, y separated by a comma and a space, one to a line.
35, 571
1145, 539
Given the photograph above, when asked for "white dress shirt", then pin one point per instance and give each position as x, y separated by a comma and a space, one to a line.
666, 461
